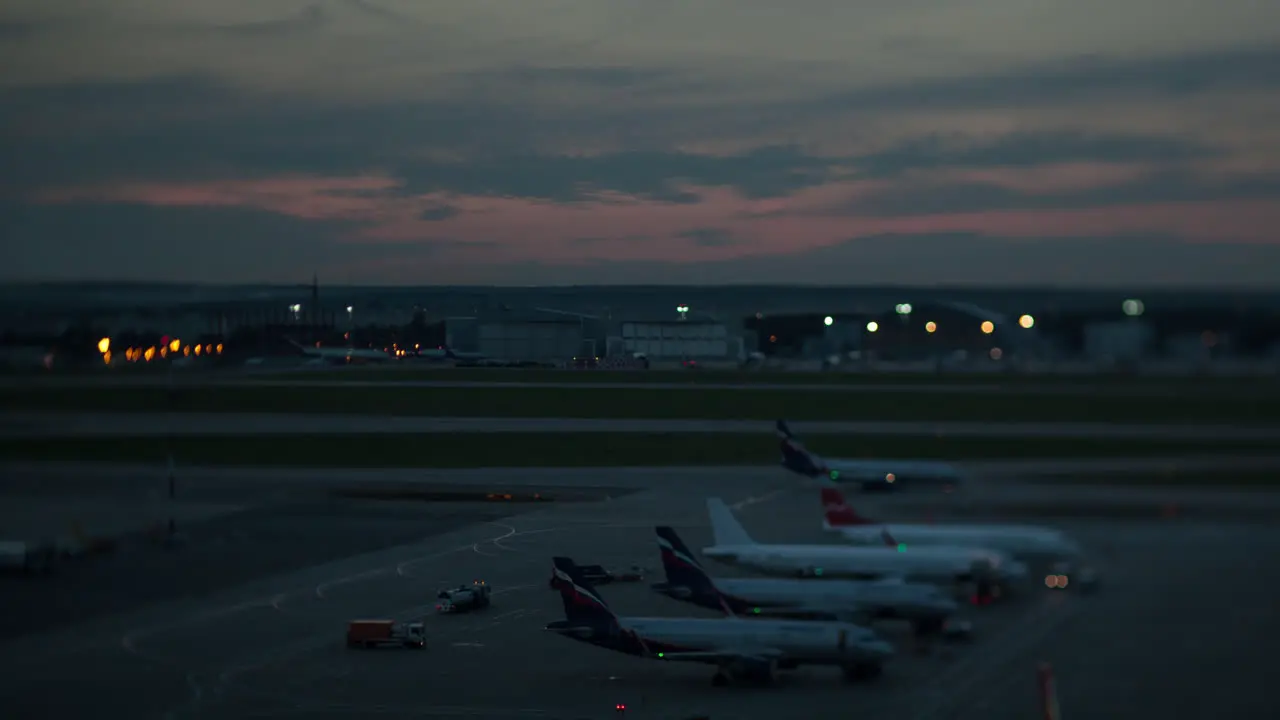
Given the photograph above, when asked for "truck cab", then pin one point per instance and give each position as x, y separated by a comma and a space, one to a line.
464, 598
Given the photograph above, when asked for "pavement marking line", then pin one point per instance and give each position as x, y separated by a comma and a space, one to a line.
961, 682
319, 589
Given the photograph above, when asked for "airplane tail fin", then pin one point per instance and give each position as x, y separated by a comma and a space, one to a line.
836, 511
679, 564
582, 603
795, 457
724, 526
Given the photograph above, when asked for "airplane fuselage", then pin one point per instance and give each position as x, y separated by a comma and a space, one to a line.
798, 642
893, 473
839, 598
937, 564
1019, 541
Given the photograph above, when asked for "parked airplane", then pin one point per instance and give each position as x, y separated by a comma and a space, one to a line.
743, 650
923, 605
341, 355
868, 474
928, 563
1023, 542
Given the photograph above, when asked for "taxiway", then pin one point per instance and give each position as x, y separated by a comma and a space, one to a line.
272, 645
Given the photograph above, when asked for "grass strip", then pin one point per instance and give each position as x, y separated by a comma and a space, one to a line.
1251, 478
761, 377
642, 403
461, 450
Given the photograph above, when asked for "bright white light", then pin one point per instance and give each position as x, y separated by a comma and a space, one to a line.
903, 308
296, 308
1132, 308
350, 309
827, 321
873, 326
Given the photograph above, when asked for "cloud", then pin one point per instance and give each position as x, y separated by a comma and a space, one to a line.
957, 259
1024, 149
442, 212
710, 237
539, 135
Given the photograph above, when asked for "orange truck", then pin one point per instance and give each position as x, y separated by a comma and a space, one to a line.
376, 633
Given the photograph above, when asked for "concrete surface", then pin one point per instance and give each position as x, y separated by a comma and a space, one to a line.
75, 525
273, 646
125, 424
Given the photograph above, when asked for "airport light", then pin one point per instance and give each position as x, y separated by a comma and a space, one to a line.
988, 327
104, 345
1133, 308
149, 354
198, 350
828, 320
175, 345
1026, 322
903, 308
683, 310
106, 357
219, 348
931, 327
873, 326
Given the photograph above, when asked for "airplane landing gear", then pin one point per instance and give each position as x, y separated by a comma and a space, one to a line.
858, 672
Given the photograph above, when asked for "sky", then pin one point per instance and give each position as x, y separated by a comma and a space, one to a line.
527, 142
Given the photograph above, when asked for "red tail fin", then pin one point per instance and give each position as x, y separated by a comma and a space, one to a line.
838, 512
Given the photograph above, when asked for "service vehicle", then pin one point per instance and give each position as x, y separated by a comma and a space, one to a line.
377, 633
464, 598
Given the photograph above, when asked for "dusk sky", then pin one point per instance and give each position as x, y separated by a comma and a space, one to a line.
997, 142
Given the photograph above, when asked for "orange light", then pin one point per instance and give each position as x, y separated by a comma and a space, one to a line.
174, 344
931, 327
186, 351
198, 350
104, 345
988, 327
106, 357
149, 354
219, 348
164, 352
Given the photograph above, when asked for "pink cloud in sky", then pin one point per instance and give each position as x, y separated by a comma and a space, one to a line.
514, 229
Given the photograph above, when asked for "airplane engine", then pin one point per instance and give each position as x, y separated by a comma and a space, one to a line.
758, 672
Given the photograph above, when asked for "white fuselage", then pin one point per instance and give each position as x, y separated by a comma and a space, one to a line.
1019, 541
798, 640
853, 596
926, 563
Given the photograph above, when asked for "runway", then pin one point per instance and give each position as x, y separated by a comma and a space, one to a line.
272, 646
136, 424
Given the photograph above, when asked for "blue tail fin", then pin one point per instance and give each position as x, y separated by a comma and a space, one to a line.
582, 604
794, 455
681, 568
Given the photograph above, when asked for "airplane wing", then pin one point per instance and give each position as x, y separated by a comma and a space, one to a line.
731, 654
